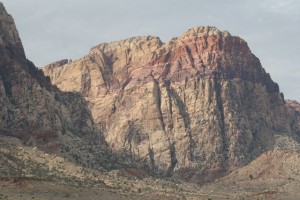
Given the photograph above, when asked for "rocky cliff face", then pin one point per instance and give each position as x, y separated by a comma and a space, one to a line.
196, 107
294, 108
37, 112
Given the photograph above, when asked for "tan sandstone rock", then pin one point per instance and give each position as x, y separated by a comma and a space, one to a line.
196, 106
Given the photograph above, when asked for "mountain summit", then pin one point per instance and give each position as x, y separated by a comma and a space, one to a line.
135, 118
195, 107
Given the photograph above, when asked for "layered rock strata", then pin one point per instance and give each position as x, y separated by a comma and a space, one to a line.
196, 107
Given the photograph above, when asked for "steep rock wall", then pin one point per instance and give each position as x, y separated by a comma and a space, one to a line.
197, 106
39, 113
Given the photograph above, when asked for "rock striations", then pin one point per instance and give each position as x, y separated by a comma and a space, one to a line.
195, 107
34, 110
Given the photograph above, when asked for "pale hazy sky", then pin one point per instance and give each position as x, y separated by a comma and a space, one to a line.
55, 29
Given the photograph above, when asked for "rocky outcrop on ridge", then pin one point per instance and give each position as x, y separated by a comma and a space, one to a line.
37, 112
294, 108
197, 106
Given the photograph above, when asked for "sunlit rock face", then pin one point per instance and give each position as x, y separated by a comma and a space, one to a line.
195, 107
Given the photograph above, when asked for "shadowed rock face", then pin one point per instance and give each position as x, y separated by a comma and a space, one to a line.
34, 110
196, 106
294, 108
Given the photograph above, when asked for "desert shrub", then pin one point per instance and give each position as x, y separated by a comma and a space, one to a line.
67, 195
251, 176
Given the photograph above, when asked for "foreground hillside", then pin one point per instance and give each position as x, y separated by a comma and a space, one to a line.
28, 173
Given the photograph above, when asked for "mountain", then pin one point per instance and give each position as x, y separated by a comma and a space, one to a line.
196, 107
135, 118
38, 113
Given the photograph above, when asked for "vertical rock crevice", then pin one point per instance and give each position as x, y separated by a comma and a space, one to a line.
173, 158
167, 84
157, 98
86, 82
220, 107
186, 120
190, 56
